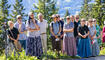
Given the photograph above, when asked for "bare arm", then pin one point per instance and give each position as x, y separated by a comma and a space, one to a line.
84, 36
36, 26
52, 31
22, 32
31, 30
10, 37
68, 30
80, 34
17, 37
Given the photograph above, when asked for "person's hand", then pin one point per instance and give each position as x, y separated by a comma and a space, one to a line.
56, 36
61, 36
94, 36
12, 39
28, 28
83, 36
34, 21
15, 40
91, 38
20, 22
98, 37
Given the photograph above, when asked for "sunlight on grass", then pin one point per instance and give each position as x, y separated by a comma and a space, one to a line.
102, 52
2, 57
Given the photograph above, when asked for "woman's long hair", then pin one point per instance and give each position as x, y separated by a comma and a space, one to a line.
29, 20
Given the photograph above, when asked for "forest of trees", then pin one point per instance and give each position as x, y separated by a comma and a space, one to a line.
94, 10
46, 7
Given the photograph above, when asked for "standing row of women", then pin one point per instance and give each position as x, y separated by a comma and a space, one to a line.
78, 37
88, 44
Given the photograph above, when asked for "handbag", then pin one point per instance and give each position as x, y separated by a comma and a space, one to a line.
16, 44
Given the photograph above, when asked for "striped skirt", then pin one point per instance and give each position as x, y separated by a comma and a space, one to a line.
69, 46
34, 46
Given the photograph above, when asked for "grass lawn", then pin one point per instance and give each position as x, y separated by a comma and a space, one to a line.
50, 55
2, 58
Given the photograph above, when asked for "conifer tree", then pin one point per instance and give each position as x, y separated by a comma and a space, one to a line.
18, 9
67, 13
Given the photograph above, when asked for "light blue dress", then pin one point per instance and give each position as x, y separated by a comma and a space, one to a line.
94, 44
69, 43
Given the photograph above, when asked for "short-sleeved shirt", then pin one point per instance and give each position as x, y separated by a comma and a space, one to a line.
76, 24
69, 26
43, 26
13, 33
83, 30
23, 28
62, 23
32, 26
55, 27
92, 30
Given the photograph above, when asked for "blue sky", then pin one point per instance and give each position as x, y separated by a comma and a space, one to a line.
74, 6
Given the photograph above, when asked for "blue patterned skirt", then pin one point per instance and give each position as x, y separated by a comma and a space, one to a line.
95, 48
34, 46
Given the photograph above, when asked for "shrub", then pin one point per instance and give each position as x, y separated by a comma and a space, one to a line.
102, 52
21, 56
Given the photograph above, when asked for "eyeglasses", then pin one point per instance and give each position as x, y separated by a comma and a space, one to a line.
77, 18
91, 21
67, 18
56, 17
82, 20
32, 15
94, 21
20, 18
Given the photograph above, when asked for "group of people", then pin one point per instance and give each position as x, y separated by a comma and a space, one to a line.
32, 35
75, 37
72, 37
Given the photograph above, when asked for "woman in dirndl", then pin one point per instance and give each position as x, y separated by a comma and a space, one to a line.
93, 38
33, 42
84, 48
98, 30
69, 43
